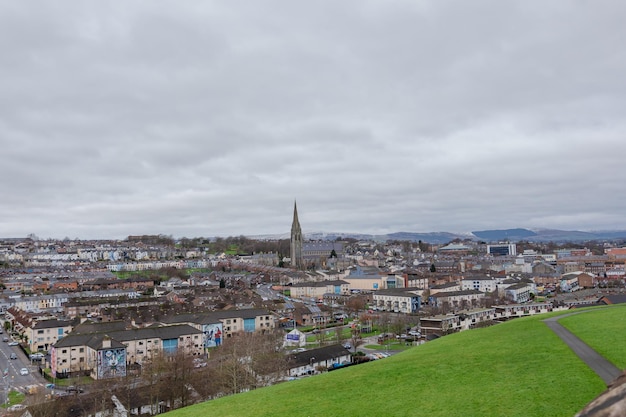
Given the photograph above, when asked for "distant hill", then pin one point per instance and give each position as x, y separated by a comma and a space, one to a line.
506, 234
496, 235
433, 237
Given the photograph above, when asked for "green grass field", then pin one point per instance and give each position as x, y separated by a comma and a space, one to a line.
15, 397
518, 368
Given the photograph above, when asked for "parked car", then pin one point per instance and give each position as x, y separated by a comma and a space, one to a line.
17, 407
13, 343
73, 388
23, 371
36, 356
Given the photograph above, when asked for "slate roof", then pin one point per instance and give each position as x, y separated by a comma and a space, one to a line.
51, 324
94, 340
613, 299
325, 353
89, 327
320, 283
456, 293
212, 317
397, 292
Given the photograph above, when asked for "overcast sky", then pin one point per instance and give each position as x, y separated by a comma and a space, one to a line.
210, 118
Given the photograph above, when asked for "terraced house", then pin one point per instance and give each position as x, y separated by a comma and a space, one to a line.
397, 300
105, 350
219, 325
37, 331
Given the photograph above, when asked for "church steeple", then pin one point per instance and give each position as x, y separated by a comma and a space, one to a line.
296, 240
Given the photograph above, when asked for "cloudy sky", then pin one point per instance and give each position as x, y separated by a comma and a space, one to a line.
210, 118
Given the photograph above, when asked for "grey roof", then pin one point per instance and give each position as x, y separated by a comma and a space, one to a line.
446, 285
456, 293
613, 299
94, 340
52, 323
320, 283
397, 292
89, 327
478, 278
325, 353
212, 317
162, 332
322, 246
518, 286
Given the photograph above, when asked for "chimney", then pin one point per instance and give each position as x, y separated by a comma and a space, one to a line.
106, 342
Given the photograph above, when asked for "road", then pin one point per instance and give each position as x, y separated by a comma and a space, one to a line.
10, 368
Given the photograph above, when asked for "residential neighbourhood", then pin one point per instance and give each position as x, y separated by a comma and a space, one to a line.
107, 310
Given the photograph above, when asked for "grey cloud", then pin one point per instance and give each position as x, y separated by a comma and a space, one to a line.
211, 118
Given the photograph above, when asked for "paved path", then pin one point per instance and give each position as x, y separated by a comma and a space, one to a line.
605, 369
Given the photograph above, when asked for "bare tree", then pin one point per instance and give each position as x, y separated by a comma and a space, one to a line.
152, 371
399, 324
177, 378
355, 304
250, 360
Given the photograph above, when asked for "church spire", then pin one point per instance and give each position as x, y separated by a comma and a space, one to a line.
296, 240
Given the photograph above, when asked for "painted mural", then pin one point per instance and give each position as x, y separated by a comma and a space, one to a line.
212, 335
111, 363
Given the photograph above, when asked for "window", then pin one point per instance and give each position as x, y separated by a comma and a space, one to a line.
39, 331
64, 351
81, 350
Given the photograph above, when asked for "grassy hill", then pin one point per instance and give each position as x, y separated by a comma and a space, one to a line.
519, 368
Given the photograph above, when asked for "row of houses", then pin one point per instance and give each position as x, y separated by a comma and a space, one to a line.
77, 346
467, 319
392, 292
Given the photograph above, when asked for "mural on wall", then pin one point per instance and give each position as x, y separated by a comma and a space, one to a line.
212, 335
53, 362
415, 304
111, 363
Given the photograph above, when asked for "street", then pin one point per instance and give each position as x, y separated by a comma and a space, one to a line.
10, 368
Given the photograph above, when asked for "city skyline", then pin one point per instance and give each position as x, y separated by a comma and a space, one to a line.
210, 119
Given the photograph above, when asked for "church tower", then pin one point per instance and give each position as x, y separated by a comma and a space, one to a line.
296, 240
